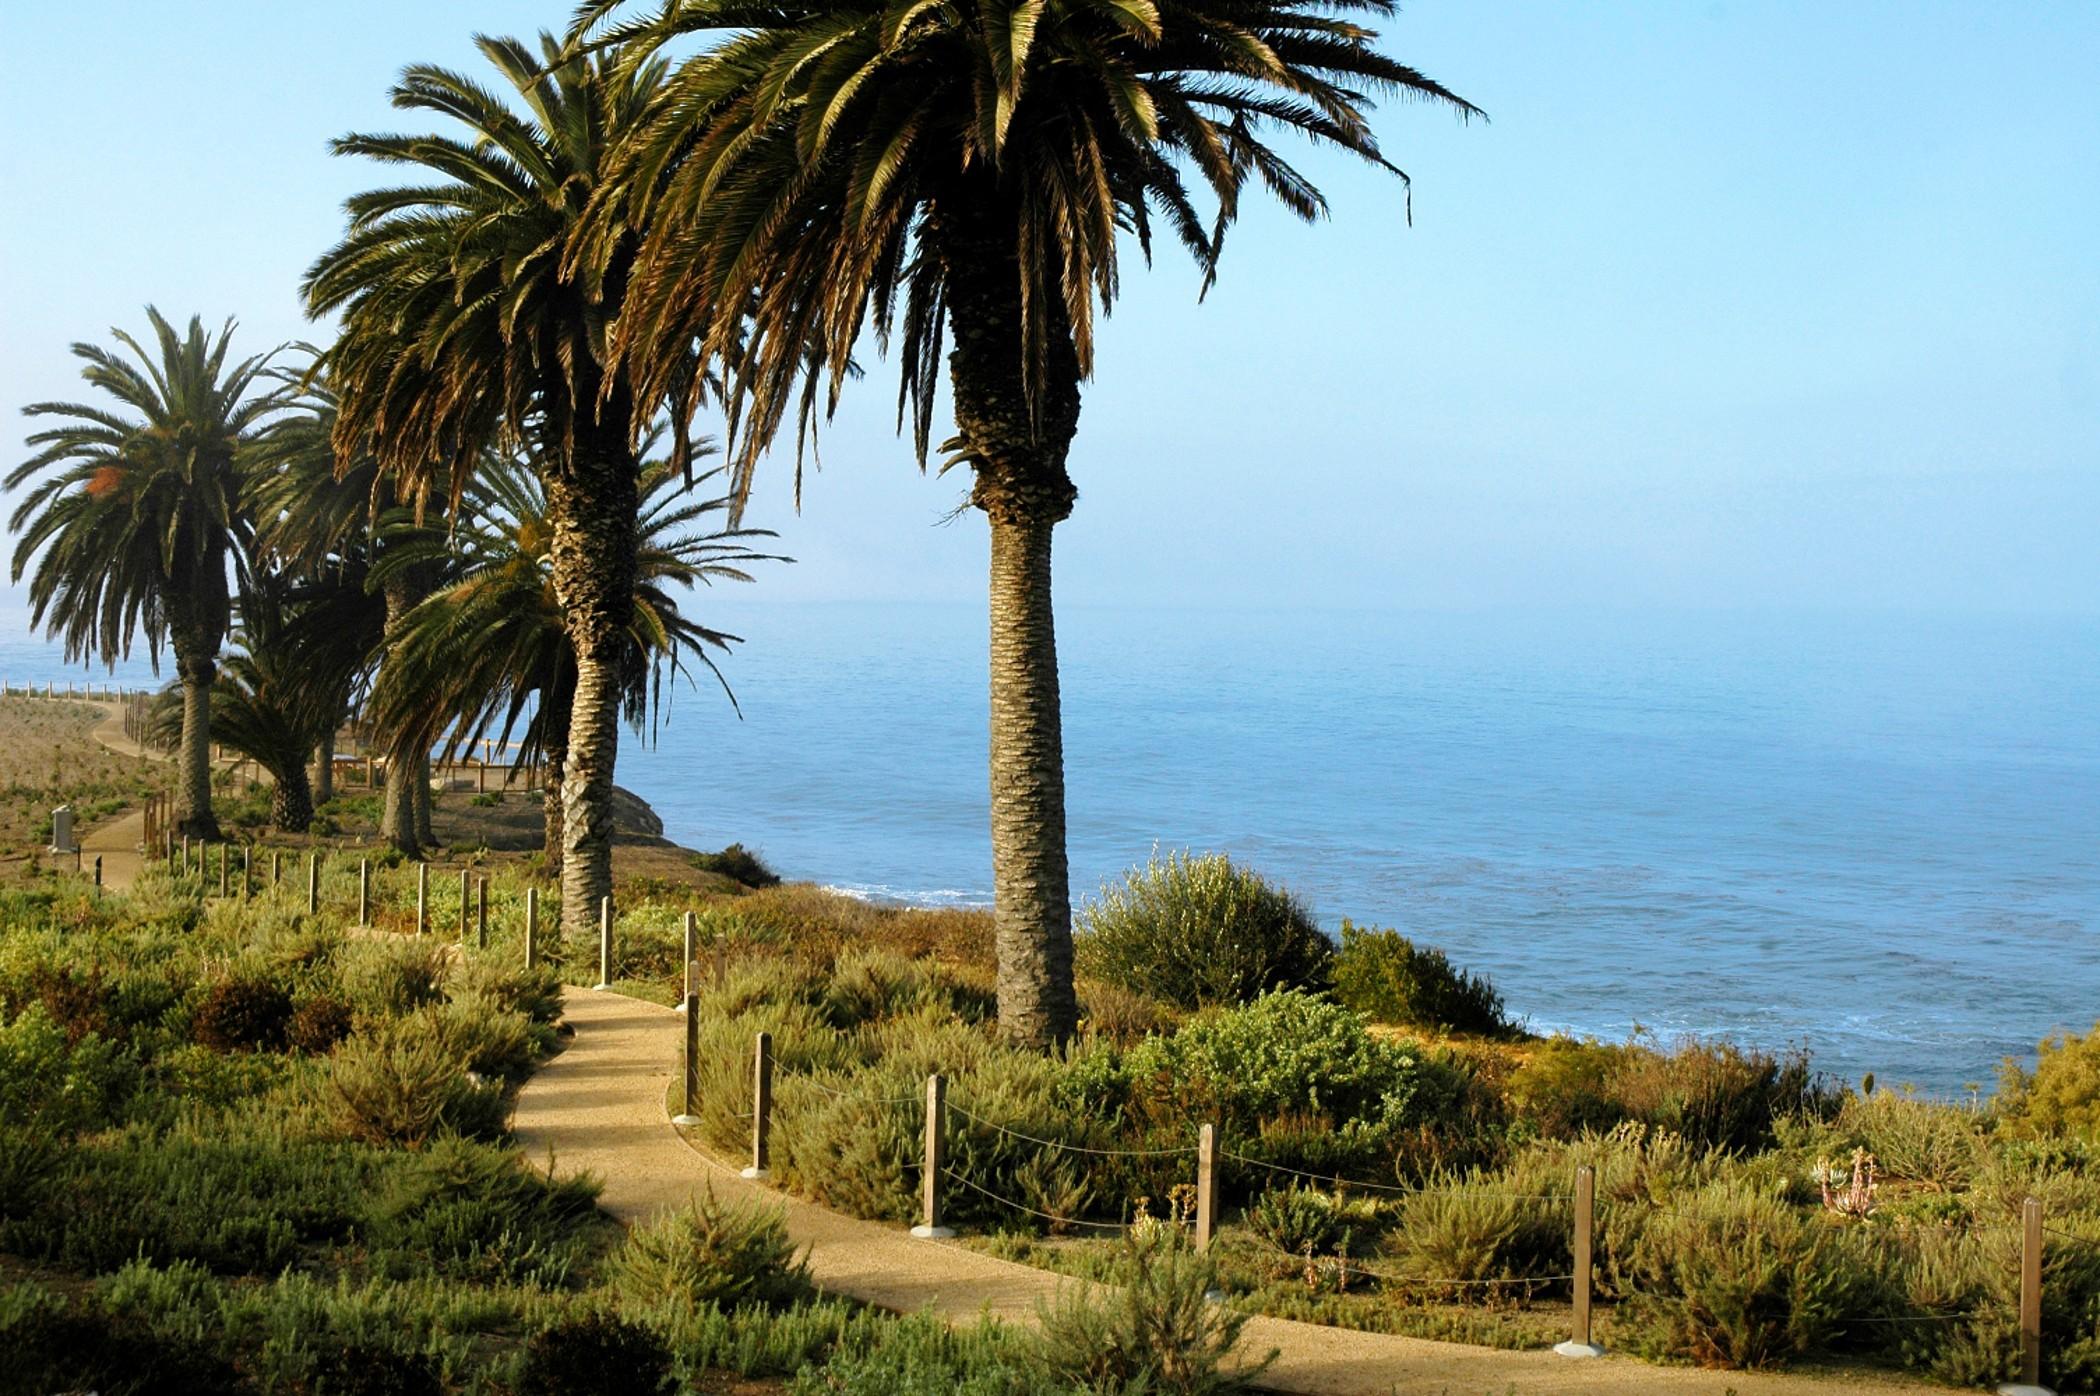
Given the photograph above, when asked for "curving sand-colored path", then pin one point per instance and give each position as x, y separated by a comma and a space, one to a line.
599, 1107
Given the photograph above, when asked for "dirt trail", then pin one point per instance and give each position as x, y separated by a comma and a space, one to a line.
599, 1107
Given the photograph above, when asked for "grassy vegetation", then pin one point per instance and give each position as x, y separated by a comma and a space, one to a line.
47, 759
242, 1149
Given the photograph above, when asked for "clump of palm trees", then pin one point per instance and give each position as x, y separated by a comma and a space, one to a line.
500, 441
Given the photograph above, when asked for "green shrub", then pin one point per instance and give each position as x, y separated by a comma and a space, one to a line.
1914, 1140
738, 864
920, 1355
2062, 1095
1479, 1237
1564, 1087
1717, 1095
1287, 1065
1389, 979
402, 1083
242, 1015
594, 1355
52, 1087
1303, 1223
1735, 1278
1201, 930
476, 1213
711, 1252
390, 976
52, 1346
490, 1039
1154, 1331
318, 1023
534, 992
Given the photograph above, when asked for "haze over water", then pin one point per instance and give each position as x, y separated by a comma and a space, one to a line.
1878, 836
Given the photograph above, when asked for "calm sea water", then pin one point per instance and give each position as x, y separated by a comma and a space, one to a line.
1877, 837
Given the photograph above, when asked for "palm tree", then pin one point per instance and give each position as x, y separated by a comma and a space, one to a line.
330, 516
463, 329
965, 170
488, 654
262, 704
138, 516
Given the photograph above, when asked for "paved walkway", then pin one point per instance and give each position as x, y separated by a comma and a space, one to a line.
599, 1107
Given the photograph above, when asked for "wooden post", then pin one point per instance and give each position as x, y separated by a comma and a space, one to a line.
370, 778
465, 904
689, 1096
481, 931
1206, 1185
364, 891
98, 874
532, 926
934, 1156
605, 955
313, 883
761, 1098
482, 775
1579, 1343
276, 866
2031, 1292
422, 898
692, 968
247, 871
225, 870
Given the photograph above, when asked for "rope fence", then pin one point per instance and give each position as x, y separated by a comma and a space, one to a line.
1198, 1218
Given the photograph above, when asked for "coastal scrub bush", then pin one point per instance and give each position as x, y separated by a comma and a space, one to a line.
1153, 1330
402, 1083
1477, 1237
1564, 1087
596, 1354
473, 1212
1389, 979
2062, 1095
1300, 1223
242, 1014
920, 1355
711, 1252
1286, 1055
1715, 1094
318, 1023
390, 976
1913, 1140
1733, 1277
1194, 930
738, 864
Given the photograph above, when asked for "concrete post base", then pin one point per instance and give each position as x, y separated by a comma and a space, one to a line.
1575, 1349
600, 988
933, 1233
686, 1121
2014, 1388
759, 1175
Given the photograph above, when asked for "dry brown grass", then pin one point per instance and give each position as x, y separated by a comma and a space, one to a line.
48, 758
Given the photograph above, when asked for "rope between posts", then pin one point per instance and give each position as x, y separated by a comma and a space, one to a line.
2070, 1236
811, 1081
947, 1172
1072, 1148
1326, 1178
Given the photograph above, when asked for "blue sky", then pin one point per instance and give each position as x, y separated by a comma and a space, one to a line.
1733, 305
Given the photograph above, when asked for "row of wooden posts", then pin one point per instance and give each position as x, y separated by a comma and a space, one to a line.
473, 895
195, 856
934, 1157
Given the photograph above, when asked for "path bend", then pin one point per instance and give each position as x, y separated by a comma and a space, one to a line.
599, 1108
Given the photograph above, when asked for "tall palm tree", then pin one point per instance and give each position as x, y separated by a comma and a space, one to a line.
489, 655
262, 704
462, 329
326, 512
138, 516
965, 169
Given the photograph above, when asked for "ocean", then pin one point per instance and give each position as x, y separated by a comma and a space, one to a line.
1874, 836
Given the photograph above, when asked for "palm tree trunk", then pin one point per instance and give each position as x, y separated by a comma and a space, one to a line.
1032, 919
592, 500
193, 814
292, 804
551, 812
1016, 443
422, 800
324, 769
397, 810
